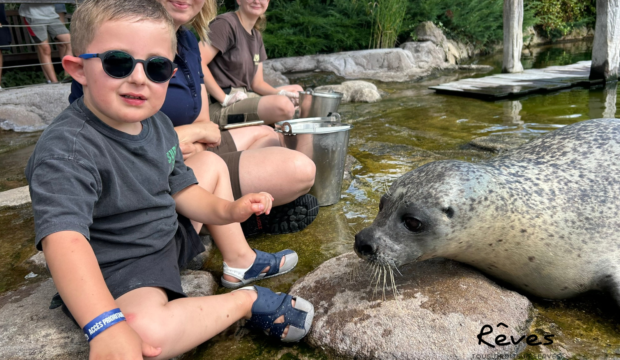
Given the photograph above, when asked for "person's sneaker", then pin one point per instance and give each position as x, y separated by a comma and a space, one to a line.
283, 219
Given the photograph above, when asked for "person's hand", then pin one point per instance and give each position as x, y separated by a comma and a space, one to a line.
250, 204
189, 149
120, 341
212, 136
293, 96
233, 98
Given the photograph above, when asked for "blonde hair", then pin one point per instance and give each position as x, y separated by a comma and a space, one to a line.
261, 23
89, 16
201, 21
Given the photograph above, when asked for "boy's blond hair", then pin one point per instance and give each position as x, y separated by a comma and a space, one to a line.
92, 13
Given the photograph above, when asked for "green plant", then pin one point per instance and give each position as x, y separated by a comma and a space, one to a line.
479, 22
387, 18
556, 18
302, 27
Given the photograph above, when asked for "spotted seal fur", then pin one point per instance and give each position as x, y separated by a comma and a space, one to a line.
544, 217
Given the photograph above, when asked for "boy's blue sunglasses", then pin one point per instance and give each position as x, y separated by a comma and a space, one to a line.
119, 64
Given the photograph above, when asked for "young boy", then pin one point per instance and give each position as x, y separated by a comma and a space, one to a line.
106, 178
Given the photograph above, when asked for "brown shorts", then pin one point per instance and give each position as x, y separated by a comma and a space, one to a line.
241, 111
227, 150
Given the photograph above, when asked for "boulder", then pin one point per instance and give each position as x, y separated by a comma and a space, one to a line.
378, 64
15, 197
30, 330
427, 31
274, 78
427, 55
198, 262
440, 308
32, 108
355, 91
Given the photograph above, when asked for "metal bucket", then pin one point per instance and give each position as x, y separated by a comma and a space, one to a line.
318, 104
326, 143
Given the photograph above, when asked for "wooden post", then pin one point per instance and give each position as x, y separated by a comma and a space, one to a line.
513, 36
606, 47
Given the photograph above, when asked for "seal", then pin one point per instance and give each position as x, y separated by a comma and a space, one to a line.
544, 217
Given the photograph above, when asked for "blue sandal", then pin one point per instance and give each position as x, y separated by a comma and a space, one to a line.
262, 261
269, 306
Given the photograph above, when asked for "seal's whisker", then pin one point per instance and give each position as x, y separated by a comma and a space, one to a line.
394, 288
384, 282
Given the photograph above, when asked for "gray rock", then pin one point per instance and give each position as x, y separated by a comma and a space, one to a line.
15, 197
427, 31
37, 262
274, 78
379, 64
355, 91
32, 108
441, 308
498, 143
30, 330
198, 262
198, 283
427, 55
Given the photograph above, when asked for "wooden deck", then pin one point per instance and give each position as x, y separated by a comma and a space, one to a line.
502, 86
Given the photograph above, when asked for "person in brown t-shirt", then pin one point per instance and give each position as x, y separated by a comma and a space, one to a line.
233, 70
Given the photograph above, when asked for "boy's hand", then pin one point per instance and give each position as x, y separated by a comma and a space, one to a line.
120, 341
250, 204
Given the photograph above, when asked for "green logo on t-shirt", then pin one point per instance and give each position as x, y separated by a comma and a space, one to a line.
172, 153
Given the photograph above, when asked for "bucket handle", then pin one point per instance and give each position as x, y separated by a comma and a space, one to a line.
335, 117
287, 129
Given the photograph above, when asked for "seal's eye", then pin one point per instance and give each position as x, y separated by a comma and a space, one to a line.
381, 202
412, 224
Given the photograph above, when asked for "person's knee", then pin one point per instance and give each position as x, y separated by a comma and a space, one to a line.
285, 108
45, 49
267, 131
205, 164
152, 330
305, 171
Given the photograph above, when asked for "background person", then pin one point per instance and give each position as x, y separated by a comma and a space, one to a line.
42, 20
233, 69
253, 155
5, 38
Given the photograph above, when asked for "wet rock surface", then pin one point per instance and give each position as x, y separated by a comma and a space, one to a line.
32, 108
30, 330
441, 308
354, 91
497, 143
15, 197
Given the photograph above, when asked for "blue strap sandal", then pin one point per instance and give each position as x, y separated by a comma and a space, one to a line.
262, 261
269, 306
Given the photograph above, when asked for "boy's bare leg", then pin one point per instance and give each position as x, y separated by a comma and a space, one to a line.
212, 175
180, 325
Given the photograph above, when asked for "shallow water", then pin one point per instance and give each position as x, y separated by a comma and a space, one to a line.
409, 127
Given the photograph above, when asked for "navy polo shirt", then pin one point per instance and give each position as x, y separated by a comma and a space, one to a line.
183, 101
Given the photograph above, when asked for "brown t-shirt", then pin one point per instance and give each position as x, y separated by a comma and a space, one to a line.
240, 53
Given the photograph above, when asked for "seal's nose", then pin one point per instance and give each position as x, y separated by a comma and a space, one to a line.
364, 244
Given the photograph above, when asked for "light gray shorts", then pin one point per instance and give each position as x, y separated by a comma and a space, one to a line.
39, 28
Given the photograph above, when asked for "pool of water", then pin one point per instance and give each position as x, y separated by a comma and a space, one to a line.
409, 127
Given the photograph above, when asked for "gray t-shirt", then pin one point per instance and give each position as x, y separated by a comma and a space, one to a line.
38, 11
240, 52
113, 188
